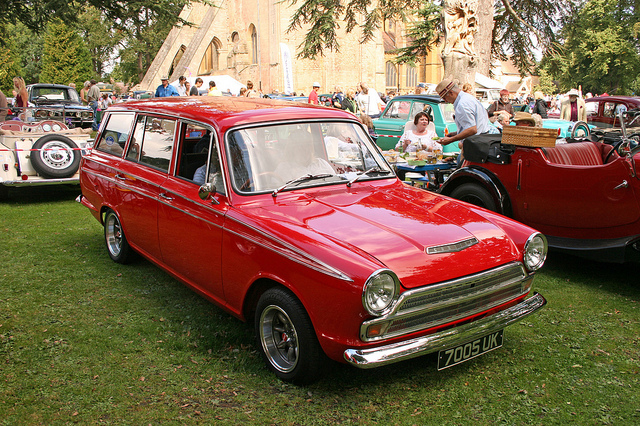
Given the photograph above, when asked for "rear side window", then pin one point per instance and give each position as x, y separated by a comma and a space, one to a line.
152, 143
116, 133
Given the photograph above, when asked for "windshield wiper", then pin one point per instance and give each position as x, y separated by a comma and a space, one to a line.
302, 178
375, 169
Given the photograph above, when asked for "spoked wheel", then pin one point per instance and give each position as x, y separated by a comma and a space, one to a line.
286, 338
117, 245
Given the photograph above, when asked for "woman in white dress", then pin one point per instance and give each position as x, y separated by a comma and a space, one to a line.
419, 138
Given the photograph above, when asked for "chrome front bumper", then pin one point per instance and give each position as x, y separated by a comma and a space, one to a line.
382, 355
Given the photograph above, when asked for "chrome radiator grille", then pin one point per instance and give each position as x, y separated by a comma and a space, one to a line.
449, 301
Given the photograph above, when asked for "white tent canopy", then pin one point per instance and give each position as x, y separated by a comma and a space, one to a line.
223, 82
487, 83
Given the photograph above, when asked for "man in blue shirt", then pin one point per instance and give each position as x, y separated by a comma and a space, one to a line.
165, 89
470, 116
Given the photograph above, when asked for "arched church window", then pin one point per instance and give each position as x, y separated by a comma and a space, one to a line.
254, 44
211, 58
391, 75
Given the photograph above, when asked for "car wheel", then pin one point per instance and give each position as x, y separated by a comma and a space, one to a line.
475, 194
286, 338
56, 157
117, 246
580, 130
4, 192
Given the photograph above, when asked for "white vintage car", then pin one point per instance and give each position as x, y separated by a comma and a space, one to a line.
43, 153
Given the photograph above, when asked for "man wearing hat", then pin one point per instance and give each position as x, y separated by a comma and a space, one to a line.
573, 109
313, 96
523, 118
470, 116
165, 89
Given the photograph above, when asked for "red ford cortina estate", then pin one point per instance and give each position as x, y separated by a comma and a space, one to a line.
289, 217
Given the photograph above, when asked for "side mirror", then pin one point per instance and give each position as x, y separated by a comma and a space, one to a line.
205, 192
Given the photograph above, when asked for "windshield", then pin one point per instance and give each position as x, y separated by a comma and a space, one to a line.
264, 159
448, 112
39, 94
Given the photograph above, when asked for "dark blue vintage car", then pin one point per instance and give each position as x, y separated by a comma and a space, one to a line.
59, 102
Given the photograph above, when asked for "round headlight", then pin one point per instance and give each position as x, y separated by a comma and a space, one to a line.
535, 252
380, 291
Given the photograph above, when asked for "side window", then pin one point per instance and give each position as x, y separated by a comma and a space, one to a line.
199, 160
153, 142
115, 134
592, 108
398, 110
609, 109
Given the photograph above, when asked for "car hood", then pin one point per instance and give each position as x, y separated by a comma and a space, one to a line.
54, 102
390, 228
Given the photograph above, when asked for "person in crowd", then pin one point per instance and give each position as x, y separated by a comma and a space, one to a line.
503, 104
470, 116
540, 106
468, 87
3, 107
420, 89
83, 92
195, 89
313, 96
368, 101
182, 88
349, 102
337, 98
21, 99
573, 109
93, 97
165, 89
213, 89
104, 102
251, 92
243, 92
523, 118
418, 138
502, 120
72, 85
367, 121
187, 88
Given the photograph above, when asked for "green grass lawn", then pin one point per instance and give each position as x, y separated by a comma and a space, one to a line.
85, 340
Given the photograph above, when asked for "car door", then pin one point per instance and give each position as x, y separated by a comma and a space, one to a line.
390, 126
578, 197
141, 176
190, 228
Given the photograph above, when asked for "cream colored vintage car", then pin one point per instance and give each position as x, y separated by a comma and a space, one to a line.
44, 153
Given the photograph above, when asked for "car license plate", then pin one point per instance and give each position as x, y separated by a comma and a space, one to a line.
466, 351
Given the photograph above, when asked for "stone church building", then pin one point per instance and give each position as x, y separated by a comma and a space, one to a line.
248, 40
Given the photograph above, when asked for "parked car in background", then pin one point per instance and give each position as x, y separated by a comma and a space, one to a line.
43, 153
288, 217
59, 102
603, 111
401, 109
584, 196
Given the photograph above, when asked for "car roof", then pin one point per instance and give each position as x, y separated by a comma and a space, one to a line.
50, 85
225, 112
618, 98
431, 98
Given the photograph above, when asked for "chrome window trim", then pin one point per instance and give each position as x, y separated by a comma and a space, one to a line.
520, 279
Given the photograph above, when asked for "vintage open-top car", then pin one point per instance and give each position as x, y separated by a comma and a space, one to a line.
287, 215
584, 195
43, 153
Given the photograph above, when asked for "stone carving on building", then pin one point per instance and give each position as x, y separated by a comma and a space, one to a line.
461, 25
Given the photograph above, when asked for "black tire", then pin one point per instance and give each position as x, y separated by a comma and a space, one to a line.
475, 194
4, 192
117, 245
286, 338
57, 157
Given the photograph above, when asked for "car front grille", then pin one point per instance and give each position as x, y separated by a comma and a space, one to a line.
443, 303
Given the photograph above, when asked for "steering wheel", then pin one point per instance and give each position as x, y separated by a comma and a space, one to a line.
618, 148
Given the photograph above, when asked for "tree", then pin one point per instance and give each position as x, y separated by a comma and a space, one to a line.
9, 65
513, 28
66, 58
600, 50
101, 38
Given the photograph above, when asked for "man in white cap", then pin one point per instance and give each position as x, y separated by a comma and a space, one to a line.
470, 116
573, 109
313, 96
165, 89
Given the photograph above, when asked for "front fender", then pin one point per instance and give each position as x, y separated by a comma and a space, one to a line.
486, 179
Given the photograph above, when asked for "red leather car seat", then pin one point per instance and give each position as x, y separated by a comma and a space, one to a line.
574, 154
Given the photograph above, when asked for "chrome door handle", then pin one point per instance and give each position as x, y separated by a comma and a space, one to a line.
165, 196
624, 184
119, 176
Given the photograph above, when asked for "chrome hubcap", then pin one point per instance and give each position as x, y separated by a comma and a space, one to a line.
279, 339
113, 234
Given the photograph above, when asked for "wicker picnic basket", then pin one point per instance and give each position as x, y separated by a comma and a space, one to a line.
529, 136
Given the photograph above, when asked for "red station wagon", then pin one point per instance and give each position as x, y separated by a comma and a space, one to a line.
288, 216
